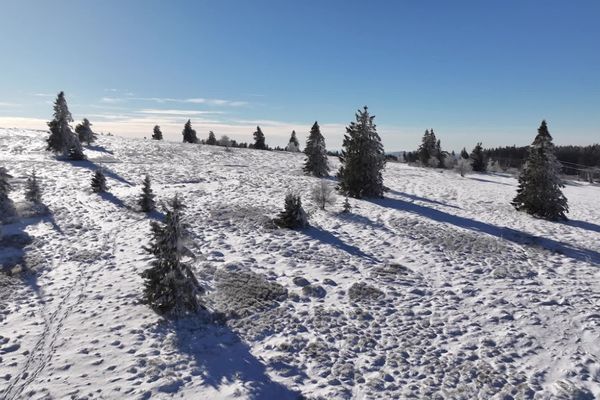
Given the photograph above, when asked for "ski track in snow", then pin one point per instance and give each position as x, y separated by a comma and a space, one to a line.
478, 301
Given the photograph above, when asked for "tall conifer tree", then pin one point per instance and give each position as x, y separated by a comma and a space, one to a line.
156, 133
316, 163
362, 159
62, 140
539, 191
259, 139
189, 134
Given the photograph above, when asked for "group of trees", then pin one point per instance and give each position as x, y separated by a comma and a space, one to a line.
62, 139
33, 193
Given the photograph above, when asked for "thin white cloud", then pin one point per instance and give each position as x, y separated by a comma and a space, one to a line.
177, 112
43, 95
7, 104
163, 100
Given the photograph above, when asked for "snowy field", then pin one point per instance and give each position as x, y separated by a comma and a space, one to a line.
439, 291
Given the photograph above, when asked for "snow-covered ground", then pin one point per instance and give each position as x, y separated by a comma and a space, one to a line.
439, 291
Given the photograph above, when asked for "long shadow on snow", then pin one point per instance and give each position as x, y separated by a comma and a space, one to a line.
488, 181
87, 164
102, 149
512, 235
583, 225
423, 199
327, 237
221, 355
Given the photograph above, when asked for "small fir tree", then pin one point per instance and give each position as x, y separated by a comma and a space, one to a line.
6, 204
346, 207
189, 134
478, 159
33, 192
316, 163
464, 154
212, 140
170, 287
539, 191
146, 200
99, 182
362, 159
293, 144
85, 132
293, 216
62, 140
259, 139
157, 133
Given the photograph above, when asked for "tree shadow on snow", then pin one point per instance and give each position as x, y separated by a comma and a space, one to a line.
488, 181
423, 199
583, 225
113, 199
221, 358
512, 235
99, 148
87, 164
329, 238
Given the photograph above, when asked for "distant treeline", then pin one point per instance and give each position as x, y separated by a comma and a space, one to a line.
573, 158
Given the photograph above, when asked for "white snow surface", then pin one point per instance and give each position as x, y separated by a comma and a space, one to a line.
469, 298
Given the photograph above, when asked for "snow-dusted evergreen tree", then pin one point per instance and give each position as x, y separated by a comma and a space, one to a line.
99, 182
323, 194
85, 132
478, 159
293, 216
6, 205
464, 154
212, 140
427, 149
170, 286
146, 200
157, 133
189, 134
62, 140
346, 208
362, 158
539, 191
259, 139
293, 144
316, 163
33, 192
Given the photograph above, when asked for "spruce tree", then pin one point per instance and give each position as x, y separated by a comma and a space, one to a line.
33, 192
293, 144
189, 134
362, 159
293, 216
85, 133
464, 154
99, 182
212, 140
146, 200
170, 287
156, 133
62, 140
478, 159
6, 204
539, 191
428, 148
259, 139
346, 207
316, 163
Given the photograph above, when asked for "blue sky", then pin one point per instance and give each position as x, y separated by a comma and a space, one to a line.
471, 70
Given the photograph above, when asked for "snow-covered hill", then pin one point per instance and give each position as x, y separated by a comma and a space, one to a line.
440, 290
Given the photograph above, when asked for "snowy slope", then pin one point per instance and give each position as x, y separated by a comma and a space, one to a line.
463, 297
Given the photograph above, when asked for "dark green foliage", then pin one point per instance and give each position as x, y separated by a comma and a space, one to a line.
362, 159
156, 133
316, 163
33, 192
189, 134
85, 133
212, 140
346, 207
146, 200
62, 140
259, 139
539, 191
464, 154
293, 216
6, 204
99, 182
170, 286
477, 157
